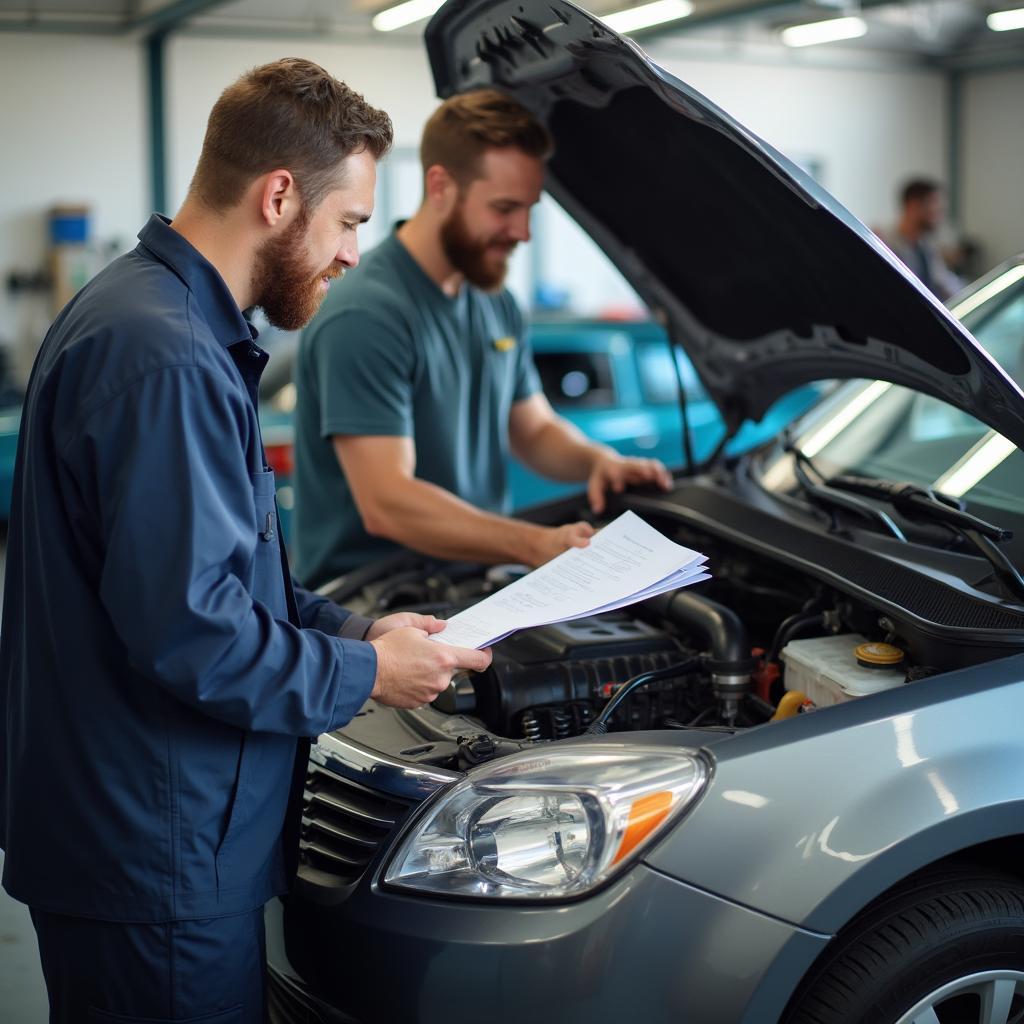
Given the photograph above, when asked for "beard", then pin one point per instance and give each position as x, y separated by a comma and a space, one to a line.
284, 284
469, 255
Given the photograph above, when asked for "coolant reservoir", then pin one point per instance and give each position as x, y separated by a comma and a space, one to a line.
833, 669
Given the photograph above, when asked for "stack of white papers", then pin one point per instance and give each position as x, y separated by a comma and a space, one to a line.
626, 562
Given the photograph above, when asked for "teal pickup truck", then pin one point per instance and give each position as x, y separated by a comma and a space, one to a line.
616, 382
10, 422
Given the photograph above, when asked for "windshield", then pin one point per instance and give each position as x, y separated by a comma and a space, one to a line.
878, 429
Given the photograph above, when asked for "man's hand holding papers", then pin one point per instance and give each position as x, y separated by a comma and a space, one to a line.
627, 561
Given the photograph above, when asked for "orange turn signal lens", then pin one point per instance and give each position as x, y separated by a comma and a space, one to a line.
645, 815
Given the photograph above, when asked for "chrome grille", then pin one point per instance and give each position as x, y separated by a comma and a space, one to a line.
343, 824
354, 799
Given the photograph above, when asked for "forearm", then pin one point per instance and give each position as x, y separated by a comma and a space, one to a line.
559, 451
427, 518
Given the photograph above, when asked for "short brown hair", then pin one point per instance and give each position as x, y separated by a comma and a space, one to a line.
290, 114
464, 127
917, 189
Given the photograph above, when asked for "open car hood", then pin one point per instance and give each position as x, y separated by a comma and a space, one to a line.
764, 278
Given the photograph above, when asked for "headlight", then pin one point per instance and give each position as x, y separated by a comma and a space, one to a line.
547, 825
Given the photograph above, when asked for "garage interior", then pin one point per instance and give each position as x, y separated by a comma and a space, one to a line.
105, 101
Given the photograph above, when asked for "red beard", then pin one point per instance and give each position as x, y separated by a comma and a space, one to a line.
284, 286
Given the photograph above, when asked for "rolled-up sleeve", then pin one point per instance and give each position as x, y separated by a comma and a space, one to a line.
164, 463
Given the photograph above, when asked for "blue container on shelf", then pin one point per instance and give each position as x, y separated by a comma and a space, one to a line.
69, 225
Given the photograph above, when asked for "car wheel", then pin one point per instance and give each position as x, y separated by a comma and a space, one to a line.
947, 948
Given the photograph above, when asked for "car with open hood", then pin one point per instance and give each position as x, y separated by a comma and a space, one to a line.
794, 792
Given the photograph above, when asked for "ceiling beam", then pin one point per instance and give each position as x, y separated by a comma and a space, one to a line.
169, 17
160, 19
981, 61
66, 26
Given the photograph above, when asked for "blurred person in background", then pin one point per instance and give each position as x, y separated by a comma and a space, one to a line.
922, 212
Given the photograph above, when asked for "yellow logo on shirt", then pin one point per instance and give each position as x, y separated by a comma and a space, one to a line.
505, 344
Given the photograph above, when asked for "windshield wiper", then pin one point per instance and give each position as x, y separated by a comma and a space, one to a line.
824, 494
916, 502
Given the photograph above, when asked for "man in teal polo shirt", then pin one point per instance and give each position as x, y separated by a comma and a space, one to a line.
415, 381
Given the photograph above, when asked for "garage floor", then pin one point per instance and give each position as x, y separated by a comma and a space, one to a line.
22, 993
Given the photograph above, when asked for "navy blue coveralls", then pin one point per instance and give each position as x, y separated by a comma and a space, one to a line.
151, 684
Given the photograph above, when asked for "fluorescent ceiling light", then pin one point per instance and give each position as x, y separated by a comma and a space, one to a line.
1005, 21
830, 31
634, 18
405, 14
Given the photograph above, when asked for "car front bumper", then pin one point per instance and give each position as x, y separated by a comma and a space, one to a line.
646, 948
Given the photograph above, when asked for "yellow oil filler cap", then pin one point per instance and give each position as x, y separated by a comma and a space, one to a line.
878, 655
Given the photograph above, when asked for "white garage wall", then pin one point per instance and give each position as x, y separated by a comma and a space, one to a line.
75, 110
992, 167
396, 78
73, 131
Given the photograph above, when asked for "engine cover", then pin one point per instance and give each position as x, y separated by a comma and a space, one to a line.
547, 682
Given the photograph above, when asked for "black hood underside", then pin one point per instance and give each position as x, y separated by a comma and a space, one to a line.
763, 278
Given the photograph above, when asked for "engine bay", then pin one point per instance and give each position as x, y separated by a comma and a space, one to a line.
756, 643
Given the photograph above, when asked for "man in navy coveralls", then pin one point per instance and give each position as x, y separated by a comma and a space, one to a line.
158, 665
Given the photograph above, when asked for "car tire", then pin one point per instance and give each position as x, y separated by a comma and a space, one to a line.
946, 948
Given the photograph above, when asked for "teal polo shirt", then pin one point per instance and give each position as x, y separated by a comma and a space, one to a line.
389, 354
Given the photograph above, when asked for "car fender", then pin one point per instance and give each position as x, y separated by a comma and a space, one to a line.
810, 819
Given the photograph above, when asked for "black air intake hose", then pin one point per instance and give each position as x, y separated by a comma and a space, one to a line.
720, 626
731, 663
